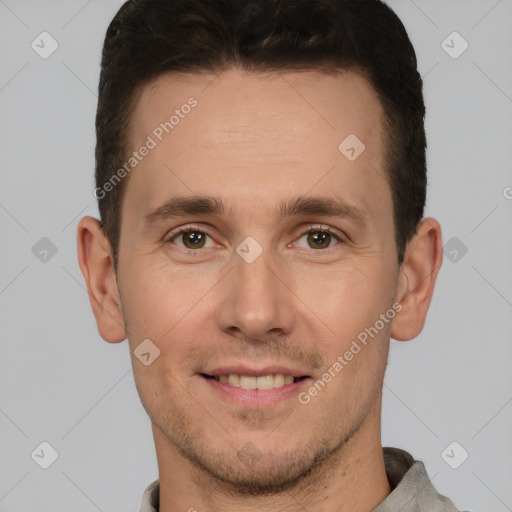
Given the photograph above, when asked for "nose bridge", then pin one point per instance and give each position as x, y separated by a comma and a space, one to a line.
255, 290
256, 302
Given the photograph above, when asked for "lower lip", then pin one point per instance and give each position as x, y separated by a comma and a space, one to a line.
257, 398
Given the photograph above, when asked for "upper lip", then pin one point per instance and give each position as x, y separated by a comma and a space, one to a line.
255, 372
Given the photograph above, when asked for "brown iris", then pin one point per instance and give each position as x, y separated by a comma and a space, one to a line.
320, 239
196, 239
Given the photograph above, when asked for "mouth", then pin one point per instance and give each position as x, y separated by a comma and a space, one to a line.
255, 388
261, 382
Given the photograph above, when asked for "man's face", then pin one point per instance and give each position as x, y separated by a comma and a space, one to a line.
213, 305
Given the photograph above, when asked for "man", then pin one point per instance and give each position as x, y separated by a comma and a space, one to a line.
261, 182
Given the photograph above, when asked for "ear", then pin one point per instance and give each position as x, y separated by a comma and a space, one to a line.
418, 272
97, 266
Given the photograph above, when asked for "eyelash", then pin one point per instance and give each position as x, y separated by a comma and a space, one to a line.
313, 228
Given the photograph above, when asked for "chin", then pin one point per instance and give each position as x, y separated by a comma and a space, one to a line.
255, 473
256, 470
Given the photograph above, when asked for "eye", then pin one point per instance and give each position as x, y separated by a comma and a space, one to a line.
193, 238
190, 237
319, 238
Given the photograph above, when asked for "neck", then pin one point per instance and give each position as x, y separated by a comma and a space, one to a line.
353, 479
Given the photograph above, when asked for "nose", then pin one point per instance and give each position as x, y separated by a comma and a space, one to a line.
256, 302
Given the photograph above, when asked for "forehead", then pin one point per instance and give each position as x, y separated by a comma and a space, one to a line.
256, 135
237, 107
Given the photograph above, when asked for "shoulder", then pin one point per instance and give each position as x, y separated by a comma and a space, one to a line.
412, 489
151, 498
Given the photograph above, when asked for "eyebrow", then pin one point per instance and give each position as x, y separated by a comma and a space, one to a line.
206, 205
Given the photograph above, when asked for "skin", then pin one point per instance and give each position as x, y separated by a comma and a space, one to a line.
253, 141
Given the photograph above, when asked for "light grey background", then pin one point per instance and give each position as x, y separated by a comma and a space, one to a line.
61, 383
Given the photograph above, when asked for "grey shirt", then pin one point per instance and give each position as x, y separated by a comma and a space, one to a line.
411, 488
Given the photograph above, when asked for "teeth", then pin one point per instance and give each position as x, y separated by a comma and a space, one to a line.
277, 380
247, 382
265, 382
234, 380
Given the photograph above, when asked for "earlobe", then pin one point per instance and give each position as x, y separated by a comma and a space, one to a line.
97, 266
418, 273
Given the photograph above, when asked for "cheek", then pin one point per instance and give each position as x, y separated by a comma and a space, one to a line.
348, 297
156, 298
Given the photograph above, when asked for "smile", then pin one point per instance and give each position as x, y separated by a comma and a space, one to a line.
255, 391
